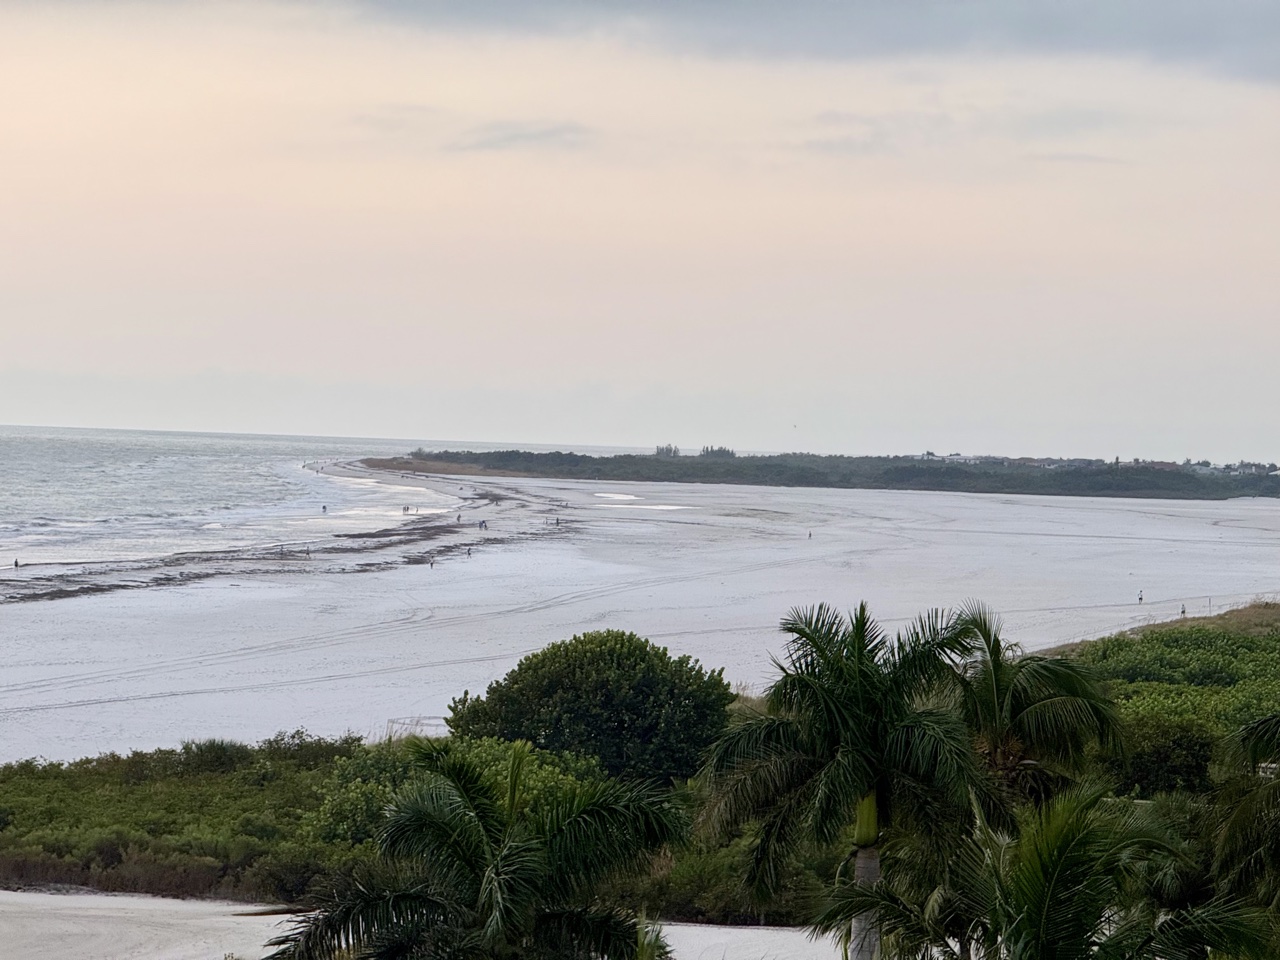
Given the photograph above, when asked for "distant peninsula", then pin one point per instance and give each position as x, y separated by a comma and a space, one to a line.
928, 471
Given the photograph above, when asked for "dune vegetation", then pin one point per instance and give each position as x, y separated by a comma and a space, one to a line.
928, 793
963, 475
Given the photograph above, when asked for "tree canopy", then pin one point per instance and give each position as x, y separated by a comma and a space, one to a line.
609, 694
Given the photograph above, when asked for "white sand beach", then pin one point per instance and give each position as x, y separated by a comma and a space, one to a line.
58, 926
707, 570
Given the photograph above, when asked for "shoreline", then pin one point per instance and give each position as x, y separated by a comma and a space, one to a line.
413, 539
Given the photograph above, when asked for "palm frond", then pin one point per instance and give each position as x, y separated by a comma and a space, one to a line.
1248, 845
933, 748
603, 828
595, 934
1223, 924
906, 933
1255, 743
927, 652
379, 902
511, 888
751, 768
442, 821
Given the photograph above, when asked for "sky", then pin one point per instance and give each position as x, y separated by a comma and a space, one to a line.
865, 227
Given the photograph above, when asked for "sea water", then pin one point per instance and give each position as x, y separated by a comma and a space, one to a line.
75, 496
71, 496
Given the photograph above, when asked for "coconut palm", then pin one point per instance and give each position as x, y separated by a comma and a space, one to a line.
471, 869
1032, 717
846, 739
1085, 879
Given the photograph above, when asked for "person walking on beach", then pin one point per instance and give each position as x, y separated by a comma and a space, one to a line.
1139, 596
1184, 609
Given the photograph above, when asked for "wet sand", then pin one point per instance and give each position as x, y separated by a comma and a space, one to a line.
706, 570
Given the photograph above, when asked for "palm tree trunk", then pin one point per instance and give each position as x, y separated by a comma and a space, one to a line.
866, 871
866, 935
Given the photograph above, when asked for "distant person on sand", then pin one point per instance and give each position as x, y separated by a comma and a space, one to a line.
1139, 596
324, 509
810, 534
1184, 609
15, 563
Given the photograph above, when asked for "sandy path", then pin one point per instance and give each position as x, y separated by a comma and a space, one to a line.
45, 926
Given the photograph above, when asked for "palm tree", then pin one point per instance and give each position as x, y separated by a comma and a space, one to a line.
846, 738
1249, 838
1082, 880
1032, 717
471, 869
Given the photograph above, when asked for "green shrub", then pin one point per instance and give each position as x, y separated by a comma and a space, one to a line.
1212, 676
214, 756
1162, 755
607, 694
187, 822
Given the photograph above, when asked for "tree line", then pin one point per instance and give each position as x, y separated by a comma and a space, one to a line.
722, 465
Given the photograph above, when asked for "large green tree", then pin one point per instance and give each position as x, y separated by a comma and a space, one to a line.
609, 694
1086, 877
847, 738
472, 868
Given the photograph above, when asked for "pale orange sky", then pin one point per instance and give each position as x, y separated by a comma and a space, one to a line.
328, 219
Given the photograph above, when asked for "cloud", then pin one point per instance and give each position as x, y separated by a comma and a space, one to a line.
508, 135
851, 133
1071, 157
397, 118
1236, 37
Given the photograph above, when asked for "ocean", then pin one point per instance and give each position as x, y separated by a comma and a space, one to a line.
92, 504
74, 496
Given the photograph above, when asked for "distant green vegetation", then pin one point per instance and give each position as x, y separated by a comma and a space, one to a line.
1204, 673
215, 817
1182, 687
721, 465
